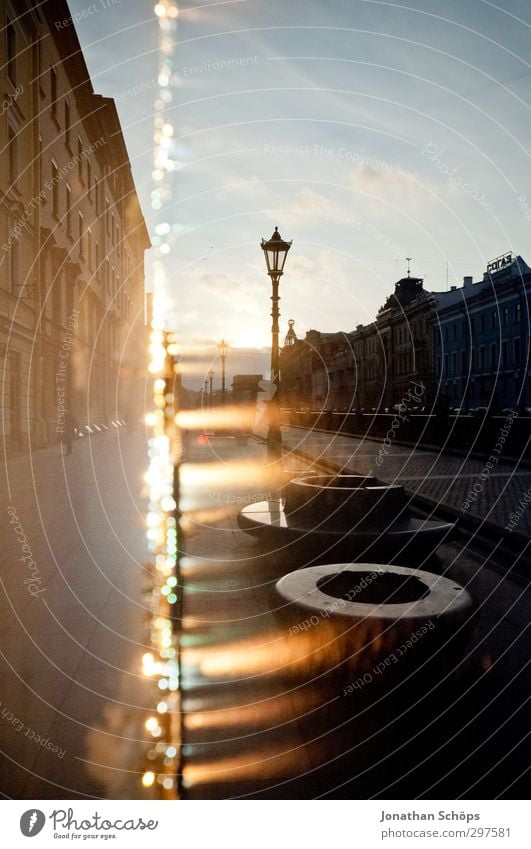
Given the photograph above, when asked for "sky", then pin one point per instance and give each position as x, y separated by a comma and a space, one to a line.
368, 131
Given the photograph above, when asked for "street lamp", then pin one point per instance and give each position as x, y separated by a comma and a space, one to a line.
223, 348
211, 378
275, 252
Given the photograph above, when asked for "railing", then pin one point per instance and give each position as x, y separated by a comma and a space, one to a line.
471, 433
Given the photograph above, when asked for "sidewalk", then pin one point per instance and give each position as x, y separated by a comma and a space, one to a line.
72, 620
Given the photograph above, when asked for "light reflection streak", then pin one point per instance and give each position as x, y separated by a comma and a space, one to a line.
267, 763
217, 418
161, 664
262, 655
284, 708
226, 476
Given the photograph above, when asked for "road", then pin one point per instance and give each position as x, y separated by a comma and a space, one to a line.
497, 492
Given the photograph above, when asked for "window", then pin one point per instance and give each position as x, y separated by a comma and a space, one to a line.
482, 357
11, 155
446, 364
69, 299
53, 94
493, 319
454, 361
505, 315
68, 210
89, 248
40, 168
446, 334
81, 234
493, 355
517, 350
55, 192
517, 313
13, 265
11, 52
505, 352
463, 362
89, 180
67, 125
80, 160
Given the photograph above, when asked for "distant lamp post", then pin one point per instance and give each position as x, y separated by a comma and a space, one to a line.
211, 378
223, 347
275, 252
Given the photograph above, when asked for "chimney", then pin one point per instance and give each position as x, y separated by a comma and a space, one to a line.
359, 327
453, 288
467, 282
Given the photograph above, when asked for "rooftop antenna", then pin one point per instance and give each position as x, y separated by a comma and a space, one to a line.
408, 260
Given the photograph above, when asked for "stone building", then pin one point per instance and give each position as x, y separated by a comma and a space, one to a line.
467, 347
371, 367
72, 236
481, 338
305, 368
403, 345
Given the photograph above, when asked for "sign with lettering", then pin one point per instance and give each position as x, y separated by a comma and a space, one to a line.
500, 262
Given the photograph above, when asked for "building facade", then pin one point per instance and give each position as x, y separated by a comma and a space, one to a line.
465, 348
72, 236
369, 368
306, 368
481, 339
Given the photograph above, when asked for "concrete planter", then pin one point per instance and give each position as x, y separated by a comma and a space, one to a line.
367, 623
343, 517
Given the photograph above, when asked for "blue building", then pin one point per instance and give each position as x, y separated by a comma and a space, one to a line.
481, 338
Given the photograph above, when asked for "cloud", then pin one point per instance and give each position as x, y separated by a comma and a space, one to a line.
186, 318
239, 293
301, 264
391, 185
307, 203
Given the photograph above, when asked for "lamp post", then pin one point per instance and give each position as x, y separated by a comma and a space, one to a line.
211, 378
223, 348
275, 252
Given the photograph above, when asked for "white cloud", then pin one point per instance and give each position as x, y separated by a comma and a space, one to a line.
307, 203
393, 186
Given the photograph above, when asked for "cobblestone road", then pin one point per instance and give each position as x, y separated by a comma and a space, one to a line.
497, 492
